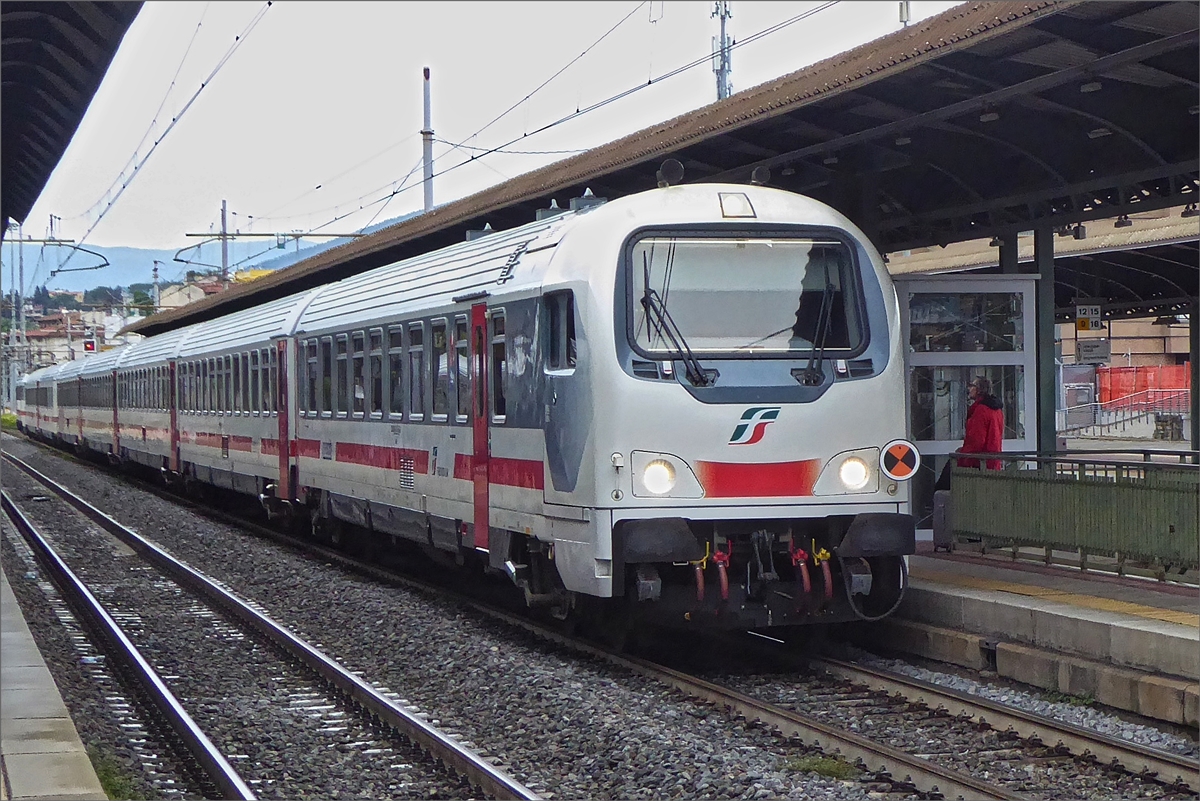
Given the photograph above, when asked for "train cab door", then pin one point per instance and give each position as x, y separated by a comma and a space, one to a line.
481, 419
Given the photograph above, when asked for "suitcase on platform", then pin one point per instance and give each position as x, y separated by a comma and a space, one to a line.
943, 524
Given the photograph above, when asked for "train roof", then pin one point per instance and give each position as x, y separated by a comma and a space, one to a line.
443, 277
431, 280
103, 363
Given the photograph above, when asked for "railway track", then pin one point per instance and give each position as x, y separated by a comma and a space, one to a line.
1173, 770
904, 771
392, 713
213, 764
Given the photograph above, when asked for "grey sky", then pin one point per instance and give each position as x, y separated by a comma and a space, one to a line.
329, 95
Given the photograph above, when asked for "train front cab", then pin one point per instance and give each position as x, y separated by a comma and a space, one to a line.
746, 445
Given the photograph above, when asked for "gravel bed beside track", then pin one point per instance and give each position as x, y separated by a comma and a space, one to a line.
988, 754
110, 720
1087, 717
285, 733
563, 725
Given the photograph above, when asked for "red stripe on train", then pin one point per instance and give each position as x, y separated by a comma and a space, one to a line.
506, 472
384, 456
773, 480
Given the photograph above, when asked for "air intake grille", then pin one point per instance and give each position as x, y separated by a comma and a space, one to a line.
407, 480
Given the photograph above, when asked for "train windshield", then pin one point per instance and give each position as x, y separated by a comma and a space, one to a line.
743, 296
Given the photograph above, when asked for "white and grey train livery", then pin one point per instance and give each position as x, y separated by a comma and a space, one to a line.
687, 404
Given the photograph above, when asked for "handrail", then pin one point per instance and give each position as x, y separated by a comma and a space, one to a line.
1126, 402
1087, 457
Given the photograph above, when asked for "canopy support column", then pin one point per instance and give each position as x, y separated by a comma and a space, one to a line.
1047, 389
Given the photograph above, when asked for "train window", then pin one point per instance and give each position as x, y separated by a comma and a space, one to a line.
326, 406
395, 372
314, 374
416, 371
237, 383
375, 370
269, 381
341, 391
358, 380
793, 295
560, 309
229, 384
439, 370
499, 366
462, 368
271, 392
246, 407
210, 386
254, 382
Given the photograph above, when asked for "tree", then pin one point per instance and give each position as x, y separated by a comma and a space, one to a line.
103, 296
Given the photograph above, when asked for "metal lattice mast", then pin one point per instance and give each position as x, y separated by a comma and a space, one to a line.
722, 47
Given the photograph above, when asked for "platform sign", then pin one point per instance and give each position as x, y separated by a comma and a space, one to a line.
1093, 351
1087, 317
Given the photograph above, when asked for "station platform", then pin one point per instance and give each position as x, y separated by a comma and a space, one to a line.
1126, 642
41, 755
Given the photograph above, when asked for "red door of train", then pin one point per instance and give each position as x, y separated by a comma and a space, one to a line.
481, 419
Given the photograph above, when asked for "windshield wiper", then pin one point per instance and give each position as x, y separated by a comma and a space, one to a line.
667, 329
813, 375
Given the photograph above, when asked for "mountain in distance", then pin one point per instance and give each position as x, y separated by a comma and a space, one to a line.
129, 265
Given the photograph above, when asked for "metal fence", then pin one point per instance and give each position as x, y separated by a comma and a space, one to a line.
1142, 506
1164, 406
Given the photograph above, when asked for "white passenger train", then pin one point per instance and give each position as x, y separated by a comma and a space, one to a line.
688, 402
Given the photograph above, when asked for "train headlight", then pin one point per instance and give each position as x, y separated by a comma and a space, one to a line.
658, 477
854, 473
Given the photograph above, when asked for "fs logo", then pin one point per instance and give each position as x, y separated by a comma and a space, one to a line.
753, 425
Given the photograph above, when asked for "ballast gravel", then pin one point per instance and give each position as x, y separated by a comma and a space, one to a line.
1084, 716
566, 726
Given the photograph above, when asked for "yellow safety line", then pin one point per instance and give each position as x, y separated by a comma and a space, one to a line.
1074, 599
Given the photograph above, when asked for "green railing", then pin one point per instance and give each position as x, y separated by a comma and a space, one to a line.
1108, 506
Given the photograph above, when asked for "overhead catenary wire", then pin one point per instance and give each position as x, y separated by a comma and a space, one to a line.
594, 106
496, 119
239, 40
563, 69
153, 120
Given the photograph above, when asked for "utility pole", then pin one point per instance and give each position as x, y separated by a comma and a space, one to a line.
427, 147
722, 47
224, 248
21, 288
154, 297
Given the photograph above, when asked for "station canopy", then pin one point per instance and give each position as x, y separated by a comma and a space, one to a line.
54, 55
990, 119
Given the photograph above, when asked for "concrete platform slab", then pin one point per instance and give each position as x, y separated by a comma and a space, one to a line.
58, 775
1127, 643
39, 736
1033, 609
41, 755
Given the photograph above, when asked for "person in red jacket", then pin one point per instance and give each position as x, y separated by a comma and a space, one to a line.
985, 425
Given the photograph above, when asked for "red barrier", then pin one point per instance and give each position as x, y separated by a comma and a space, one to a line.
1122, 382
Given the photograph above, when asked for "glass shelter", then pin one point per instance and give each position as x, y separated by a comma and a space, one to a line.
956, 329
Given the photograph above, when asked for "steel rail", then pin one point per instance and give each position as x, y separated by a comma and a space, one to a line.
919, 773
922, 774
1135, 758
207, 755
460, 759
